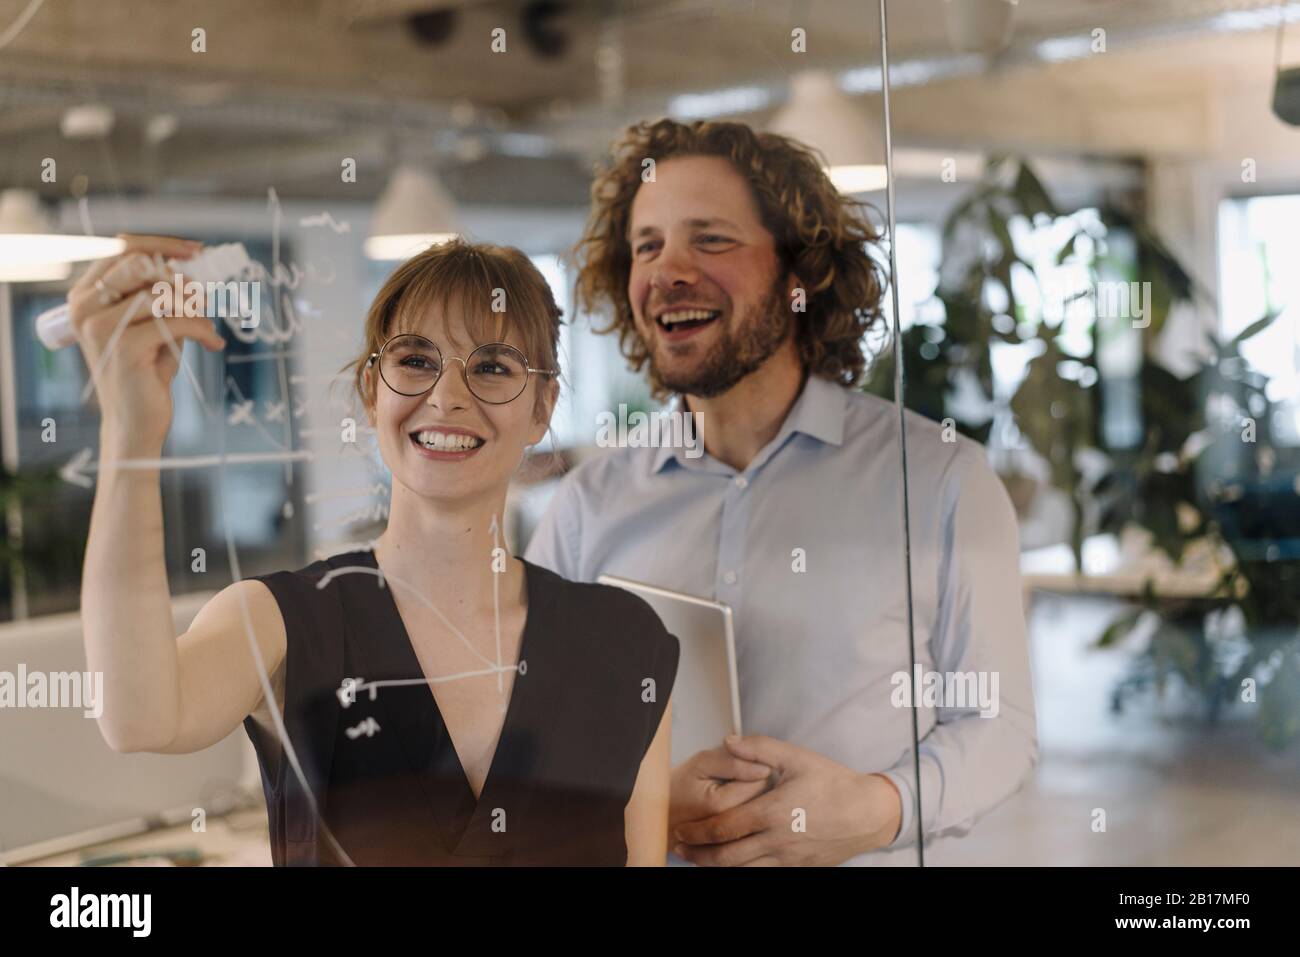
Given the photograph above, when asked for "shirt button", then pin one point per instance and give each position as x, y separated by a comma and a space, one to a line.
729, 578
742, 482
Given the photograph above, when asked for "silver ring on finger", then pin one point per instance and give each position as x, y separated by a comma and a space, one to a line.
107, 294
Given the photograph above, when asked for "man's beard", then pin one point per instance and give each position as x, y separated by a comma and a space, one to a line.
737, 352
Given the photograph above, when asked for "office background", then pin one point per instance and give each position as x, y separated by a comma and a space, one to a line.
1143, 129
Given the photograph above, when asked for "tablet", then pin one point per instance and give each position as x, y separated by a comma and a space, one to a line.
706, 693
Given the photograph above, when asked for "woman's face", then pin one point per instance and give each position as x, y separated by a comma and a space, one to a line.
447, 444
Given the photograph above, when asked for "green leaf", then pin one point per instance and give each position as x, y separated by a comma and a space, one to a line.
1031, 195
1118, 630
1055, 416
1256, 327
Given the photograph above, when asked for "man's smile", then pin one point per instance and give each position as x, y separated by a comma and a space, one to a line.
681, 322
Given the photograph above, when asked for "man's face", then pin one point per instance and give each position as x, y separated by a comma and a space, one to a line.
705, 286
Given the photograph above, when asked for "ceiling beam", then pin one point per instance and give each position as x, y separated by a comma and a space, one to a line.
301, 48
370, 11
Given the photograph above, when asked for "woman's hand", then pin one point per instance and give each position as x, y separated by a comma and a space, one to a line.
128, 354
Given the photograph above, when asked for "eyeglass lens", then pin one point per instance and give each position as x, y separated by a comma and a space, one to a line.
496, 372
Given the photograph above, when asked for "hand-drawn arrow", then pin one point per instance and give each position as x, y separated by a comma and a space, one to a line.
74, 471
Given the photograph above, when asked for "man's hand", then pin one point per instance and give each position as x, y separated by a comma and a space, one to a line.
712, 782
817, 813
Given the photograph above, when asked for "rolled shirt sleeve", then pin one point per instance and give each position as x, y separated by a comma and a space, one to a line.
970, 763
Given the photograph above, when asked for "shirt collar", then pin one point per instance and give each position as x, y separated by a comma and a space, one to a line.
818, 413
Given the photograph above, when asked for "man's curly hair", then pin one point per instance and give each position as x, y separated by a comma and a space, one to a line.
820, 234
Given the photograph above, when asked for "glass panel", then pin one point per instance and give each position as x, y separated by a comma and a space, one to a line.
791, 511
724, 439
1107, 344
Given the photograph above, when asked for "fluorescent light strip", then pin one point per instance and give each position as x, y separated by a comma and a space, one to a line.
532, 145
1061, 49
1240, 21
751, 99
915, 72
1076, 47
736, 99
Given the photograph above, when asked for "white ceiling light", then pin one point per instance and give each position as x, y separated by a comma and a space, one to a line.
87, 121
413, 213
820, 115
160, 127
980, 26
30, 251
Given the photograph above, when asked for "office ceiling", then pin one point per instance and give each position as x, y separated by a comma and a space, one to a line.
284, 88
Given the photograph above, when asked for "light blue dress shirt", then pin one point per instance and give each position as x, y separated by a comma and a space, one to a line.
817, 649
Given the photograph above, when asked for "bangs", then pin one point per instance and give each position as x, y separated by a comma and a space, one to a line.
494, 292
459, 288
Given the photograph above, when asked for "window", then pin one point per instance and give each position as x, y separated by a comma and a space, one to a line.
1258, 252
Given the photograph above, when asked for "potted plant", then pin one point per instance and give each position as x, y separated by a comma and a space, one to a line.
1203, 472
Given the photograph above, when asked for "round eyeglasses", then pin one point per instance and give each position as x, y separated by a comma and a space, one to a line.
495, 372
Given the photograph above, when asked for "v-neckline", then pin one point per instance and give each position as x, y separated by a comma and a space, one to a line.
421, 748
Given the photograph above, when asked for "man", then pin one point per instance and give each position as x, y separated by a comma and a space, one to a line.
742, 278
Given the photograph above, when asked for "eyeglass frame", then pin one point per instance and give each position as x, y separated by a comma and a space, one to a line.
464, 367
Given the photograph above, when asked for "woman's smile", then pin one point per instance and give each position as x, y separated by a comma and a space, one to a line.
446, 443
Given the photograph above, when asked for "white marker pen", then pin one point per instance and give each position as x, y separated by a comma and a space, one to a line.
214, 264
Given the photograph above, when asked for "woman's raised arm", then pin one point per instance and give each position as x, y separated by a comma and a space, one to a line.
160, 693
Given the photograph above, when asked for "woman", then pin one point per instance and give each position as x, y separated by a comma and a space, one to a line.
444, 702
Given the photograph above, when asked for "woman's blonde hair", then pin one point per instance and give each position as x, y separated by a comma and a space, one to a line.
497, 288
820, 234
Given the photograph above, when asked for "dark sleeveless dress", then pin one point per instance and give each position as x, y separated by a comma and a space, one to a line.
596, 671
